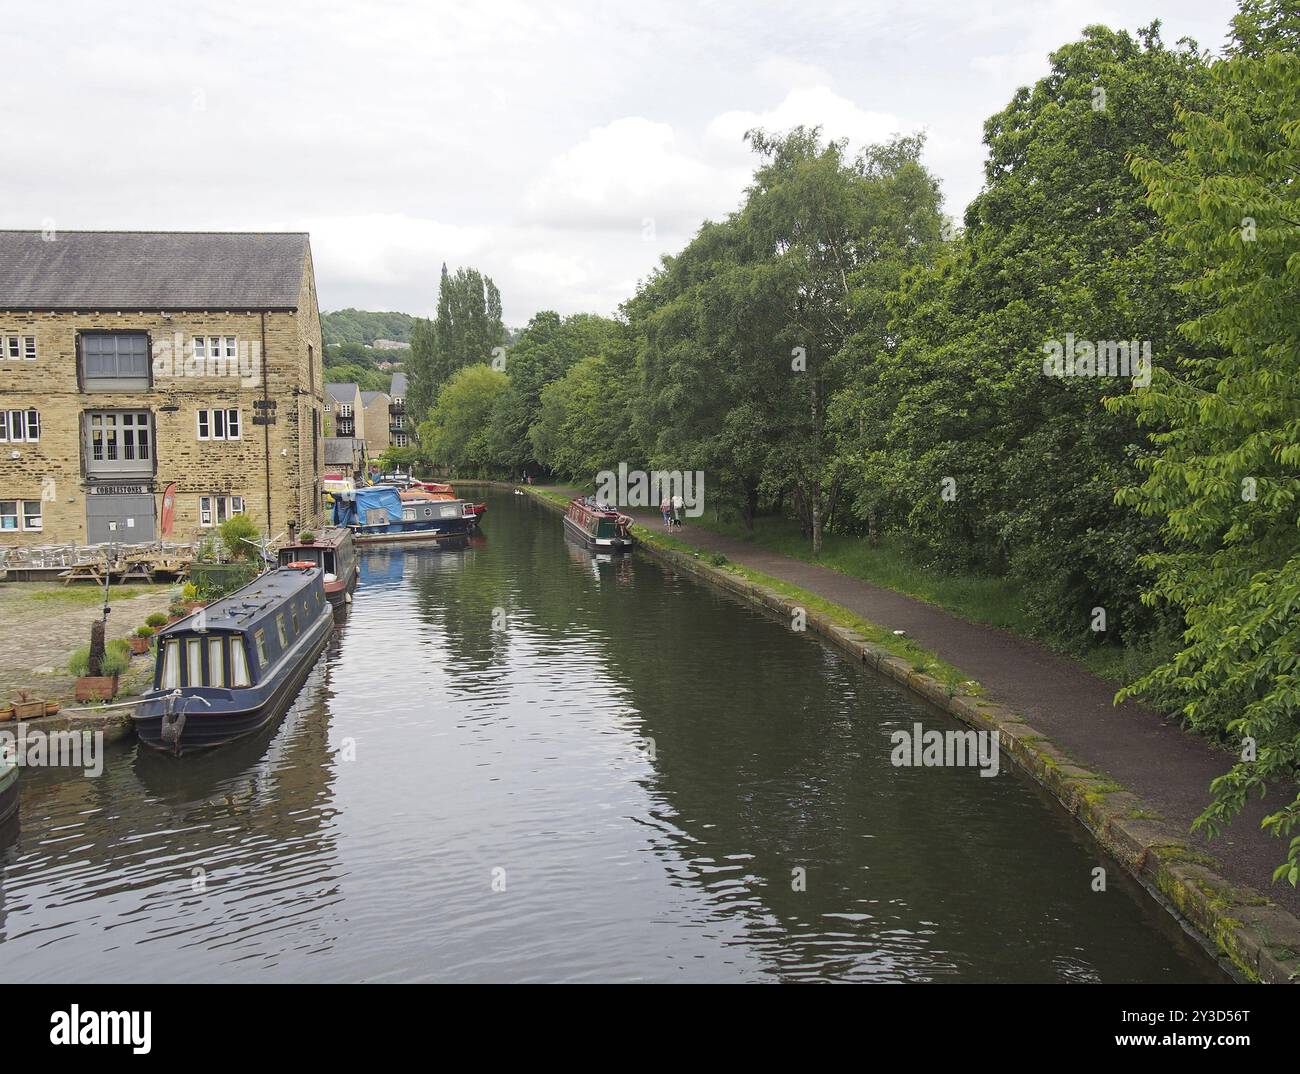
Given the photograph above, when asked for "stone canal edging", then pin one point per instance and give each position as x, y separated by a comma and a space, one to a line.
1258, 939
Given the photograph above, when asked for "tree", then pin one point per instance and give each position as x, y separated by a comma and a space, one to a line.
582, 427
546, 349
456, 434
1226, 482
465, 331
963, 444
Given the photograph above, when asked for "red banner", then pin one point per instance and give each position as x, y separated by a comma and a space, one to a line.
168, 509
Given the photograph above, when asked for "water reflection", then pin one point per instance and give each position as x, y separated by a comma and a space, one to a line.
518, 761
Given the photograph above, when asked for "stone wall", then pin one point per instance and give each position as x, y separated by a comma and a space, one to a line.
54, 469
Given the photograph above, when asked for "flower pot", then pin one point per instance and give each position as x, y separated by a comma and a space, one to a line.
96, 687
140, 646
29, 709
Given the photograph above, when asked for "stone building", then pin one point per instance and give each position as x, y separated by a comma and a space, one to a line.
375, 405
345, 420
137, 361
401, 433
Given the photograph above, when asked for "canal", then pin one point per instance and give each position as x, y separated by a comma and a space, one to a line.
518, 763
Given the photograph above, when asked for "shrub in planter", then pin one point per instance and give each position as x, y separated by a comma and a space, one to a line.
141, 640
155, 620
306, 537
100, 687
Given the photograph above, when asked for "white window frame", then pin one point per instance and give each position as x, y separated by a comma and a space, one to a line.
219, 423
20, 348
214, 505
20, 426
27, 516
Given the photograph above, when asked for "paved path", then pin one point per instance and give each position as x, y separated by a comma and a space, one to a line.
44, 624
1151, 756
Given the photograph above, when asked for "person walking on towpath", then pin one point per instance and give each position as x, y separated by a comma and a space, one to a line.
678, 504
665, 509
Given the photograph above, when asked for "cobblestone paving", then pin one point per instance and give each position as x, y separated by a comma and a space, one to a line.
44, 623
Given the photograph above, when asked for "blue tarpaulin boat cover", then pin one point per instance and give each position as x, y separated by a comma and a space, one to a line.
352, 510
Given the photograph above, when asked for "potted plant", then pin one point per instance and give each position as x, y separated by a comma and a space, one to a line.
156, 620
141, 640
101, 687
176, 611
190, 597
306, 537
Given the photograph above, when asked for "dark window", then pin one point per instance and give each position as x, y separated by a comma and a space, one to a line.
115, 356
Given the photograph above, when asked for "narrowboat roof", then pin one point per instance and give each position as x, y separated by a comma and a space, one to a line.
245, 608
328, 537
606, 511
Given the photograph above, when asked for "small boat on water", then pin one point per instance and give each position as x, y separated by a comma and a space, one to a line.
332, 551
8, 787
226, 670
407, 485
378, 514
598, 526
474, 512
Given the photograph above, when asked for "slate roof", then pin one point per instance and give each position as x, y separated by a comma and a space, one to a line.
339, 450
342, 393
397, 390
151, 270
369, 397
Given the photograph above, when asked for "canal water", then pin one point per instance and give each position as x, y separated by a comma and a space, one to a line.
518, 762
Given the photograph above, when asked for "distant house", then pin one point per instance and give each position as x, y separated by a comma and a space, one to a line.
399, 432
390, 345
345, 409
345, 455
345, 421
375, 406
141, 362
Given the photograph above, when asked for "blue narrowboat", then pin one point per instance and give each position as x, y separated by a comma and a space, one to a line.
377, 514
8, 786
227, 670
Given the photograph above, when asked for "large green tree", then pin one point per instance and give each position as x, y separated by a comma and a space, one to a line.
456, 436
1226, 483
465, 331
963, 443
544, 351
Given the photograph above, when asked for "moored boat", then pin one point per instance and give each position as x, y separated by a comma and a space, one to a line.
226, 670
598, 526
332, 551
378, 514
474, 512
8, 786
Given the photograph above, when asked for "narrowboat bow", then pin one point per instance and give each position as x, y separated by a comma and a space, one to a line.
227, 670
598, 526
8, 787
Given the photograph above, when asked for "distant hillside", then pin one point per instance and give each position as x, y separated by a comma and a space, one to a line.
365, 326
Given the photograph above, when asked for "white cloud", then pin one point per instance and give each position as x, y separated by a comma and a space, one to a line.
533, 139
630, 175
812, 106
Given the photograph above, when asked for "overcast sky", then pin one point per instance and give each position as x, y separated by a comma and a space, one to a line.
561, 148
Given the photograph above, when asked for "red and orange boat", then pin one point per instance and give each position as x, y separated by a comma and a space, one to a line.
434, 490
